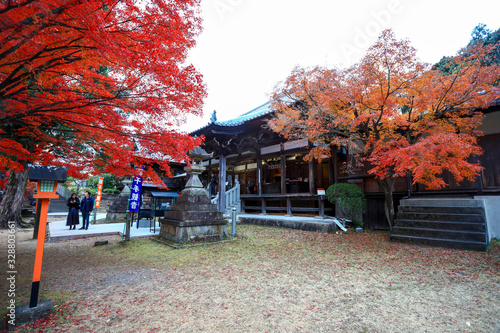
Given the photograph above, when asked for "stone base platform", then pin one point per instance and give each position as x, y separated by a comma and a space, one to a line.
193, 218
292, 222
23, 314
183, 232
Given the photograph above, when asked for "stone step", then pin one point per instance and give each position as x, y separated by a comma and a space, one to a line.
449, 222
425, 224
471, 218
448, 209
440, 242
457, 235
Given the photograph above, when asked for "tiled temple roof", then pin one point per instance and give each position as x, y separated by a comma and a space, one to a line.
260, 111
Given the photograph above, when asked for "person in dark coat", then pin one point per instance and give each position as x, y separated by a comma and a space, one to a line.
73, 215
213, 185
251, 186
86, 207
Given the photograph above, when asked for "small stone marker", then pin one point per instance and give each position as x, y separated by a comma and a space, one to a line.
101, 243
23, 314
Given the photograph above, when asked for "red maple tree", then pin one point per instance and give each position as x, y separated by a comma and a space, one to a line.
98, 86
397, 113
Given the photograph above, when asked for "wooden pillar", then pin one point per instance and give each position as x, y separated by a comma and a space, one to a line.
479, 179
311, 176
321, 205
320, 175
288, 206
222, 183
209, 170
408, 183
335, 162
246, 179
283, 174
331, 177
242, 205
259, 176
40, 243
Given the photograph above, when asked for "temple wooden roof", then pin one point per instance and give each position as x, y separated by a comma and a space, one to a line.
245, 132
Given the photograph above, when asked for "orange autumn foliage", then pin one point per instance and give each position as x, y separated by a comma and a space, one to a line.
395, 111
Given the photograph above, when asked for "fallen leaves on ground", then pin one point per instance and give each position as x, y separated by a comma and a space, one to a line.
270, 280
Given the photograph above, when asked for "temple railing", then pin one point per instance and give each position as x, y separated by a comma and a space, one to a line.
233, 199
286, 203
215, 199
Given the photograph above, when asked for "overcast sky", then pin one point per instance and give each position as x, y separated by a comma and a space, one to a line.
247, 46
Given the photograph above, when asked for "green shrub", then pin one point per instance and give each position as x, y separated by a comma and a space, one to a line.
350, 200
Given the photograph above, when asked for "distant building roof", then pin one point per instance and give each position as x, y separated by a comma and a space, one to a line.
165, 194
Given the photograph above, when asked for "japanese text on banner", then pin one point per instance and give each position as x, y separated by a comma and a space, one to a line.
99, 193
135, 195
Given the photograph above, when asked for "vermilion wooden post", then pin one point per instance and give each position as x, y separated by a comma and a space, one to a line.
47, 178
44, 195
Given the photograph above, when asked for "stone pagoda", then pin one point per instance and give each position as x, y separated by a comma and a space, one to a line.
194, 218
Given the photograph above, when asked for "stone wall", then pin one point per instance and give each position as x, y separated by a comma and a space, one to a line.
106, 201
492, 210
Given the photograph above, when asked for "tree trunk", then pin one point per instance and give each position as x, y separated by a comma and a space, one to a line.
10, 207
387, 185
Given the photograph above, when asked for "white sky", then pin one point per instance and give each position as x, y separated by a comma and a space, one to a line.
247, 46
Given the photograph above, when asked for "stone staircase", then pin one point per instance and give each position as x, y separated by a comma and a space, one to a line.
232, 198
450, 223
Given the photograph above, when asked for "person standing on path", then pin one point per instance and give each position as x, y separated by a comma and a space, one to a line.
86, 207
73, 215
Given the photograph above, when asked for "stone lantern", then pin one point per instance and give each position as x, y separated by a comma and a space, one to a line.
194, 217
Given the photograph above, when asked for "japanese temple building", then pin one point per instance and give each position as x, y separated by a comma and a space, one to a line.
273, 176
271, 172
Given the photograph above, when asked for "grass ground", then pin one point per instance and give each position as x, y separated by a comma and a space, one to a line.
270, 280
